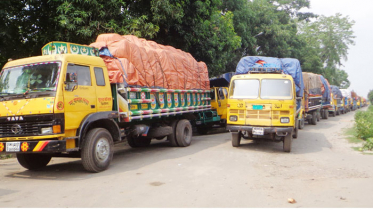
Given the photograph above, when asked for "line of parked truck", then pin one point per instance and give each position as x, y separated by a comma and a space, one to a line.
78, 100
271, 98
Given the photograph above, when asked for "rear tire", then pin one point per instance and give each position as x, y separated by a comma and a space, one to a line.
295, 133
236, 139
287, 142
184, 133
326, 114
301, 123
314, 118
97, 150
318, 117
33, 161
172, 137
333, 113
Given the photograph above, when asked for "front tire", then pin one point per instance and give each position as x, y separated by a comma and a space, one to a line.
97, 151
33, 161
236, 139
287, 142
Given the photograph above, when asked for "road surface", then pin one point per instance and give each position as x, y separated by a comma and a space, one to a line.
321, 171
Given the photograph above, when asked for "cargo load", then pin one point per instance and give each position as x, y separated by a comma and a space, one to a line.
144, 63
312, 84
353, 95
288, 66
346, 93
325, 89
337, 94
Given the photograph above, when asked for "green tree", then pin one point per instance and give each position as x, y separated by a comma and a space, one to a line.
198, 27
331, 36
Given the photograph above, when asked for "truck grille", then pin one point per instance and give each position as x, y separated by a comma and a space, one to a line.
22, 128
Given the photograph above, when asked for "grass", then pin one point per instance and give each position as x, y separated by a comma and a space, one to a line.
351, 134
361, 132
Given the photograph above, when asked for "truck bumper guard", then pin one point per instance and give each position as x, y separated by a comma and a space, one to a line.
280, 131
42, 146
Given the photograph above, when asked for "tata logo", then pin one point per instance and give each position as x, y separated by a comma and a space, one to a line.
16, 129
17, 118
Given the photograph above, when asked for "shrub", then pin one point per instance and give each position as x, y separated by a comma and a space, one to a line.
364, 123
368, 144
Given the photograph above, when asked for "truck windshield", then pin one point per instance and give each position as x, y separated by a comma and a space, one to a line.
276, 89
245, 89
37, 77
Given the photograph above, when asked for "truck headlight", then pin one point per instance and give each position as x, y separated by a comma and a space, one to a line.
285, 120
47, 130
233, 118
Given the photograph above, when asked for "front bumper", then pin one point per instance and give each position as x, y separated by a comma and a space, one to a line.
42, 146
281, 131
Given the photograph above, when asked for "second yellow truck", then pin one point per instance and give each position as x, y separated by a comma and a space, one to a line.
264, 100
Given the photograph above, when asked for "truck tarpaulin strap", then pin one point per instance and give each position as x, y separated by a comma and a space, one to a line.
290, 66
149, 64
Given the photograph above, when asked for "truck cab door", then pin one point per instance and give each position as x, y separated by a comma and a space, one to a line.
222, 97
79, 95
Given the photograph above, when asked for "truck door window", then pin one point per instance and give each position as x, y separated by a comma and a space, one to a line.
225, 92
100, 79
244, 89
221, 94
83, 75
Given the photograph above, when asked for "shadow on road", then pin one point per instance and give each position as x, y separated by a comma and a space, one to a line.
125, 159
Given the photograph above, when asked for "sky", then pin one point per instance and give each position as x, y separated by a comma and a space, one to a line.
360, 55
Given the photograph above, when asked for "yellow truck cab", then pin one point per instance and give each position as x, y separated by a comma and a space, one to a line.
219, 98
265, 102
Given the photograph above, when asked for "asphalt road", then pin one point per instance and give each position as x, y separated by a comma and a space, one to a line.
321, 171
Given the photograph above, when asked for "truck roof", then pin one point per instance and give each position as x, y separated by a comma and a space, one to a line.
74, 58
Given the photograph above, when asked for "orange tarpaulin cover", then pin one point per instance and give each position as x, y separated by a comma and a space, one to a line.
149, 64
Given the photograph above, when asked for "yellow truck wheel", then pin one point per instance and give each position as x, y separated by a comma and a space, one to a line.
97, 150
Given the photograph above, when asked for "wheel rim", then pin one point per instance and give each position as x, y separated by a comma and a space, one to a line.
102, 149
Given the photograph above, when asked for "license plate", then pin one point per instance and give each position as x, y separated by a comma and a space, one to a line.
198, 122
258, 131
257, 107
13, 146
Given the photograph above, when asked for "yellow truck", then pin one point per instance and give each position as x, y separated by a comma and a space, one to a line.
63, 104
264, 100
